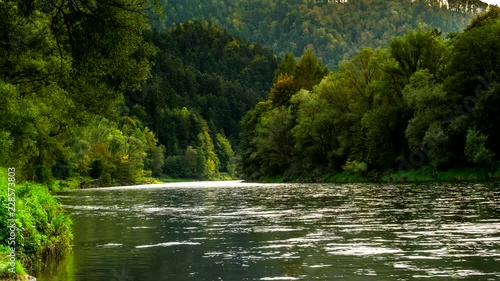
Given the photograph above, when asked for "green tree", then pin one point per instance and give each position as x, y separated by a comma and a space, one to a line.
287, 66
226, 154
284, 88
420, 50
426, 130
475, 148
473, 75
274, 141
251, 161
309, 71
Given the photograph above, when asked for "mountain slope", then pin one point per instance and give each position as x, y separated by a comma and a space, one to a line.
204, 81
334, 29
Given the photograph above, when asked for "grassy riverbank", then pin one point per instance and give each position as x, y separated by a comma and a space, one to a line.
87, 182
424, 174
42, 229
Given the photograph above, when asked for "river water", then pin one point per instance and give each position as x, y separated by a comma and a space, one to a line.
237, 231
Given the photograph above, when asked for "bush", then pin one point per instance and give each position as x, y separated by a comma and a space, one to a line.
43, 229
43, 174
475, 148
355, 167
173, 166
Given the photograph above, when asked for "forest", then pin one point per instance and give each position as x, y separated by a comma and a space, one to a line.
154, 89
425, 101
203, 81
111, 102
335, 30
119, 92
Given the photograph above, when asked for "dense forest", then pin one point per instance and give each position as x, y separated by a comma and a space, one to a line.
203, 82
64, 68
91, 93
107, 98
336, 30
424, 100
112, 101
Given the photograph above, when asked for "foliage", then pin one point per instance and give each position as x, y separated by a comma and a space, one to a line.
335, 30
355, 167
284, 88
214, 74
410, 105
203, 82
64, 65
474, 75
475, 148
43, 229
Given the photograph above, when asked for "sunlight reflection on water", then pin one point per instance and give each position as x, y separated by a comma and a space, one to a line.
245, 231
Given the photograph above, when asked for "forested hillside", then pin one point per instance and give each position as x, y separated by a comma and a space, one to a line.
90, 91
203, 82
334, 29
92, 99
424, 101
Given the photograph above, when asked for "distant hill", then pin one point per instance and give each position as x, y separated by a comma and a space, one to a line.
335, 29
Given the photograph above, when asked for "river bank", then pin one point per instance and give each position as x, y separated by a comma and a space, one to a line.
33, 227
80, 182
422, 175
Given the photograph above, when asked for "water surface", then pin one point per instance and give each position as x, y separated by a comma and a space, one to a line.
235, 231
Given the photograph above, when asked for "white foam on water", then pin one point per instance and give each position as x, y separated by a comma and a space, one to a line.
279, 278
110, 245
167, 244
361, 250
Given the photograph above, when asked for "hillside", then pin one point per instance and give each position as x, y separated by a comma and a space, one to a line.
422, 102
334, 29
203, 82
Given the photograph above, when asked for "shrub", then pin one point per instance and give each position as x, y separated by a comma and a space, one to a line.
355, 167
43, 229
475, 148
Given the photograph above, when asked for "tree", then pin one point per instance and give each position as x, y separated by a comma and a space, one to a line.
274, 141
309, 71
226, 154
428, 102
287, 66
251, 162
475, 148
284, 88
473, 75
419, 50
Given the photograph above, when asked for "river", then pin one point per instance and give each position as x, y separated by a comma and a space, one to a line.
240, 231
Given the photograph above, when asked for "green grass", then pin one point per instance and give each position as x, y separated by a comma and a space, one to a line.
424, 174
272, 179
220, 177
345, 177
168, 179
71, 183
43, 229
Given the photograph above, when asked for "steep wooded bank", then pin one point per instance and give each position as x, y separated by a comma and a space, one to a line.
423, 101
64, 66
336, 30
